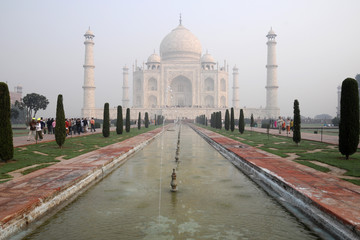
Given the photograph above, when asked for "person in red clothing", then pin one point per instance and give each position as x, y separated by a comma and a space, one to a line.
67, 126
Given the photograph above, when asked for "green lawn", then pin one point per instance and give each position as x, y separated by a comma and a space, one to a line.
46, 153
307, 150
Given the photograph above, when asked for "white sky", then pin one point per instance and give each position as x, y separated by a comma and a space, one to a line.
41, 46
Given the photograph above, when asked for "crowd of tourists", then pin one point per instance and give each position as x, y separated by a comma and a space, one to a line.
284, 125
41, 126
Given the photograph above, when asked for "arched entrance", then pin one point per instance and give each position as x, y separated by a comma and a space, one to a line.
152, 101
180, 93
209, 101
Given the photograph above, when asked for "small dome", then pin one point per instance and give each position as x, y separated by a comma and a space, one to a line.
207, 58
271, 33
89, 33
154, 58
180, 43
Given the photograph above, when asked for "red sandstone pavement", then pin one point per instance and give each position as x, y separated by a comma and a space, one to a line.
334, 196
20, 196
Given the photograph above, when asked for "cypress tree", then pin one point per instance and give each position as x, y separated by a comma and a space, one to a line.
297, 123
6, 135
119, 121
252, 121
60, 130
127, 121
217, 120
227, 120
106, 123
349, 117
241, 122
139, 121
146, 120
232, 120
155, 120
220, 120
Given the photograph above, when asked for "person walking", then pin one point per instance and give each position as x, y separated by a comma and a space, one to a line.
53, 125
280, 124
32, 125
43, 125
287, 126
85, 125
49, 125
78, 125
92, 123
39, 130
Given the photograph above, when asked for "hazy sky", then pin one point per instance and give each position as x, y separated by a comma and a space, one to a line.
42, 48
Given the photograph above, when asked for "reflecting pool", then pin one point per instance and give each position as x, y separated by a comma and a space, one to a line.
214, 200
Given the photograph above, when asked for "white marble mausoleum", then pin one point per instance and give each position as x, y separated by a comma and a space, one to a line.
181, 81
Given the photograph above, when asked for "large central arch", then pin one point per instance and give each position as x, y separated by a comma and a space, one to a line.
180, 92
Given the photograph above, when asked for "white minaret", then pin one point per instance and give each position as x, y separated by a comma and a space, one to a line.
88, 109
236, 101
272, 84
338, 101
125, 100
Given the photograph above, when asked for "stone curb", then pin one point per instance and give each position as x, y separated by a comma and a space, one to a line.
57, 198
283, 191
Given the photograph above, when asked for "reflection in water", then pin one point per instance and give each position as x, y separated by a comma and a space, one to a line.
214, 200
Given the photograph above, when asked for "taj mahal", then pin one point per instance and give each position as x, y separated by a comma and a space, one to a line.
181, 81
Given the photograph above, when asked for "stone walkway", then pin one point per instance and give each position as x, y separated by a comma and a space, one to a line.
333, 196
28, 197
22, 140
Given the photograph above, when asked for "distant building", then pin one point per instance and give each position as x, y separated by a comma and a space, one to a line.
16, 95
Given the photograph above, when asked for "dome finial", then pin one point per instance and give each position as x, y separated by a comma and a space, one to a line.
180, 20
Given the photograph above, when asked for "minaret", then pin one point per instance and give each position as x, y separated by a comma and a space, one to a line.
88, 109
125, 100
236, 101
272, 84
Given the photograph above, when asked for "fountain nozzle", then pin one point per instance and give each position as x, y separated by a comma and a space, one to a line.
173, 183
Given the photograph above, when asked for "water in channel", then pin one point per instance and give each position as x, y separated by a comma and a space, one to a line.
214, 200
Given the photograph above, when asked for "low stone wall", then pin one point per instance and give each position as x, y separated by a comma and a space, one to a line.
286, 194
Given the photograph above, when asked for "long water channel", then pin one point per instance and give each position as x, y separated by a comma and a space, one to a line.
214, 200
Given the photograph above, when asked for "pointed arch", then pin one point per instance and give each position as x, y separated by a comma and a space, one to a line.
181, 92
209, 84
209, 101
152, 101
223, 85
223, 101
152, 84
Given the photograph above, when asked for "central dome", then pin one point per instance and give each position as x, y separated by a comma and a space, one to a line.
180, 44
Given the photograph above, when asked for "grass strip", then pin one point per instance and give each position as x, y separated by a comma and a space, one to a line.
282, 145
30, 170
73, 147
354, 181
314, 166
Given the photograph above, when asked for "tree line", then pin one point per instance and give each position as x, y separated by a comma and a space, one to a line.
348, 126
